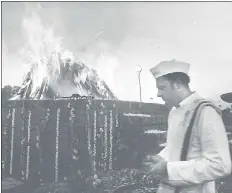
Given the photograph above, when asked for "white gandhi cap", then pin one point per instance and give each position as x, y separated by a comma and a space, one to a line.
167, 67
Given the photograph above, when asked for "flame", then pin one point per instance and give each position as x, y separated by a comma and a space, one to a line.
43, 52
53, 67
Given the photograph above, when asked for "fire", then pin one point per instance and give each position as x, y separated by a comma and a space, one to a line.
41, 51
53, 69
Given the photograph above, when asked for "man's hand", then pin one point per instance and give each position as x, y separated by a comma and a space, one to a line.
155, 165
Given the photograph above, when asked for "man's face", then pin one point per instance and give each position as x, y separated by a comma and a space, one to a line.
166, 91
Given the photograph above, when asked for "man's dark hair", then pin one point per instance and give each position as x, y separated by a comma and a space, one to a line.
178, 77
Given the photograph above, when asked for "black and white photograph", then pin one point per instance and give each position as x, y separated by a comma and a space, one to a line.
116, 96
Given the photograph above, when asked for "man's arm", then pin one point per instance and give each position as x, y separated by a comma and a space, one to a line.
215, 161
163, 153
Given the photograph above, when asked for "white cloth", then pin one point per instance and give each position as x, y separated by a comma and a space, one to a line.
208, 157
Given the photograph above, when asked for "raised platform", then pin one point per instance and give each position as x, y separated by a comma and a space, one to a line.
56, 140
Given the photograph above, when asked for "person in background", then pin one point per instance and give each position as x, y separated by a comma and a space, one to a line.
227, 97
191, 161
227, 113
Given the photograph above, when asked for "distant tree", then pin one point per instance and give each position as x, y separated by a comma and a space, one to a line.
9, 91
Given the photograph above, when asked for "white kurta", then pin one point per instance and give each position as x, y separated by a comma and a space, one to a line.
208, 157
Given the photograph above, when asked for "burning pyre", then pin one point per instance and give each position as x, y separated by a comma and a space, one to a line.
53, 72
70, 79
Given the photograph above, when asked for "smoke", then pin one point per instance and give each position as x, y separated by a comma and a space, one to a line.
11, 62
44, 54
41, 50
58, 27
101, 57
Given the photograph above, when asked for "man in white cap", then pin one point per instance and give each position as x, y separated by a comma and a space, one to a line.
197, 150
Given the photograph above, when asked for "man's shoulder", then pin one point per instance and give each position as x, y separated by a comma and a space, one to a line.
209, 113
210, 106
203, 102
211, 109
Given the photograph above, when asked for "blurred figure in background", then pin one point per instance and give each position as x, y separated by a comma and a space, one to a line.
227, 113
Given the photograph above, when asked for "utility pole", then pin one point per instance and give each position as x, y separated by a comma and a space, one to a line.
139, 70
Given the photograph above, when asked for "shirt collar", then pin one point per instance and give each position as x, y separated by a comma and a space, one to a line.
187, 100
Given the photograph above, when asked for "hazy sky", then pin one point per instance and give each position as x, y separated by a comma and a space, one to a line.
130, 34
